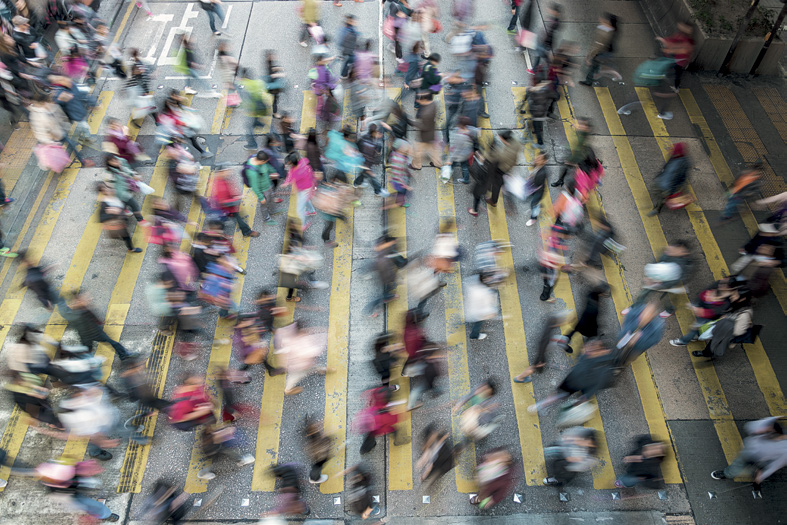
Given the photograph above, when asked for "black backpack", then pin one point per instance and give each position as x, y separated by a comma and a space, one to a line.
247, 166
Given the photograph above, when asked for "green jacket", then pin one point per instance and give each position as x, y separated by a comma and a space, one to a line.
311, 11
259, 178
579, 151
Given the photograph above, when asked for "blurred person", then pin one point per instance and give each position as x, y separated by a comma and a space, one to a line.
165, 504
258, 174
551, 259
378, 419
217, 286
575, 452
587, 324
545, 341
76, 105
594, 371
191, 405
713, 302
495, 474
310, 16
36, 280
387, 262
680, 46
480, 306
359, 493
425, 123
587, 258
539, 99
464, 141
46, 123
318, 447
133, 376
333, 199
643, 464
764, 452
503, 156
125, 147
399, 172
600, 54
112, 216
743, 188
479, 171
666, 276
655, 74
300, 174
536, 184
213, 9
218, 440
429, 11
126, 183
438, 455
480, 411
348, 42
300, 348
673, 178
289, 501
271, 145
298, 261
370, 146
328, 108
228, 199
275, 79
189, 65
641, 329
385, 358
88, 326
545, 43
71, 483
256, 100
579, 149
252, 349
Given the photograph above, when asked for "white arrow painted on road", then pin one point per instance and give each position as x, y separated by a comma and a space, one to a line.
164, 19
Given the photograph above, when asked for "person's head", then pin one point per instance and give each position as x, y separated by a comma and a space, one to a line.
105, 190
555, 10
382, 342
111, 161
541, 159
270, 55
20, 23
347, 132
686, 27
311, 137
115, 123
506, 135
263, 157
222, 172
488, 388
679, 248
349, 20
464, 122
292, 159
373, 131
434, 58
266, 296
247, 73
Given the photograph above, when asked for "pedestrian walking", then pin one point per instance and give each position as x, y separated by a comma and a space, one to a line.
46, 123
318, 448
495, 474
257, 175
309, 11
764, 452
438, 455
214, 11
587, 324
348, 42
536, 184
480, 306
425, 117
464, 142
539, 102
574, 453
189, 65
300, 174
36, 280
672, 179
399, 173
579, 149
479, 171
289, 501
219, 440
601, 50
680, 47
643, 464
112, 216
545, 341
227, 198
503, 157
745, 186
545, 43
642, 328
387, 261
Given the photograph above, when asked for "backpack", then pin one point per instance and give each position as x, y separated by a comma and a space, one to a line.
650, 73
246, 166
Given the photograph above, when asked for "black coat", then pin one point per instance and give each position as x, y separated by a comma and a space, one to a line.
587, 324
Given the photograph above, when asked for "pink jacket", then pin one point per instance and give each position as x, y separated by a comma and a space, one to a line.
301, 175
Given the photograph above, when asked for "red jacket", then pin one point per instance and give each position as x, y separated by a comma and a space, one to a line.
226, 195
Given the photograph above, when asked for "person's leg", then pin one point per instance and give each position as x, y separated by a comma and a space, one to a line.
326, 231
304, 35
563, 171
120, 350
434, 154
211, 19
418, 153
678, 75
730, 207
267, 205
349, 60
244, 228
476, 202
134, 208
592, 70
538, 129
127, 239
369, 442
740, 465
465, 171
70, 146
535, 205
514, 18
91, 506
475, 329
251, 142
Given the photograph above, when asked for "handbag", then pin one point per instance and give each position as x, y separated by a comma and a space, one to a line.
527, 39
233, 100
52, 157
445, 173
143, 106
436, 26
388, 27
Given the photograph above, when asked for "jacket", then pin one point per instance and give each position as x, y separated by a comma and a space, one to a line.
673, 176
602, 41
301, 176
463, 143
539, 100
226, 195
85, 322
481, 301
651, 332
591, 374
506, 155
311, 11
426, 117
46, 125
76, 109
769, 453
348, 40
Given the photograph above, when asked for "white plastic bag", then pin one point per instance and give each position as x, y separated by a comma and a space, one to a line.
445, 173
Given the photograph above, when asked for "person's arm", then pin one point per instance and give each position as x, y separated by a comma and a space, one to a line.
770, 469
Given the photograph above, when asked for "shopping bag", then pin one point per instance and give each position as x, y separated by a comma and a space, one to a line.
233, 100
52, 157
526, 39
144, 189
143, 106
445, 173
388, 27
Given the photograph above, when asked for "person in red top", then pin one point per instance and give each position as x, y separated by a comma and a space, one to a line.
680, 46
226, 196
380, 420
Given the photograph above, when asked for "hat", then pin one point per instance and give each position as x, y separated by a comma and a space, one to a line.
19, 20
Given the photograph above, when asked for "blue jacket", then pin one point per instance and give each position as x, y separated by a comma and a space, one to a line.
75, 109
651, 332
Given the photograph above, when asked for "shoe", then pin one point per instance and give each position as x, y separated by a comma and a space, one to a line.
557, 184
625, 311
529, 70
295, 391
8, 200
136, 250
88, 163
718, 474
376, 509
489, 202
6, 252
248, 459
618, 484
665, 314
472, 212
271, 222
530, 222
323, 478
406, 205
464, 181
396, 387
311, 213
217, 33
103, 455
294, 299
676, 342
413, 167
207, 475
550, 481
3, 483
253, 234
528, 379
190, 91
112, 517
250, 147
567, 348
511, 31
384, 193
319, 285
653, 212
331, 244
585, 83
303, 44
484, 115
480, 337
665, 116
698, 353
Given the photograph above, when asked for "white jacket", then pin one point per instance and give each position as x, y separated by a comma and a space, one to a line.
480, 301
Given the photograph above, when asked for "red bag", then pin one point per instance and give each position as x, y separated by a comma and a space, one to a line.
436, 26
233, 100
52, 156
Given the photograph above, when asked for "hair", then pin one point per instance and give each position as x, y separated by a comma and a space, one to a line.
682, 243
372, 128
426, 95
434, 57
557, 8
367, 46
506, 135
292, 158
491, 384
312, 136
347, 132
613, 20
261, 155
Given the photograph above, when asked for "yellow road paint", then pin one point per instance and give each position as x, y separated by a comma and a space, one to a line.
715, 399
761, 366
123, 22
621, 296
97, 115
722, 169
338, 352
267, 453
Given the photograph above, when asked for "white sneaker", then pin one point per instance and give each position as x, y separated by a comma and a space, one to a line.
530, 222
319, 285
304, 44
3, 483
481, 336
384, 193
323, 479
207, 475
665, 116
190, 91
248, 459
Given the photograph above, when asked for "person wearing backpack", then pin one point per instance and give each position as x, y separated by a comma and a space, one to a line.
257, 174
254, 95
654, 73
348, 41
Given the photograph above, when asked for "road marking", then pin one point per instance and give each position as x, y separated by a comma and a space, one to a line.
188, 14
400, 458
718, 409
164, 19
273, 389
761, 366
16, 154
335, 419
722, 169
621, 296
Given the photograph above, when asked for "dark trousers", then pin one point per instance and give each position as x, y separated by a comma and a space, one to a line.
102, 337
514, 17
127, 239
465, 167
316, 470
327, 229
561, 473
538, 129
475, 329
495, 184
595, 65
366, 174
349, 60
253, 123
387, 294
244, 228
451, 111
476, 202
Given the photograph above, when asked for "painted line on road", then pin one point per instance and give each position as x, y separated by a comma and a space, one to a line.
718, 409
761, 366
267, 453
641, 368
16, 154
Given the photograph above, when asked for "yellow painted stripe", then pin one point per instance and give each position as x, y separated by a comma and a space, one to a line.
722, 169
273, 390
123, 22
715, 399
99, 112
400, 458
761, 366
621, 296
338, 352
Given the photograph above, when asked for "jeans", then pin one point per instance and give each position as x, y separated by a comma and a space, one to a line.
538, 129
514, 17
82, 131
694, 332
266, 207
91, 506
732, 205
541, 53
70, 146
253, 123
102, 337
244, 228
742, 464
387, 295
213, 12
304, 205
349, 60
475, 329
451, 111
367, 174
535, 204
465, 165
